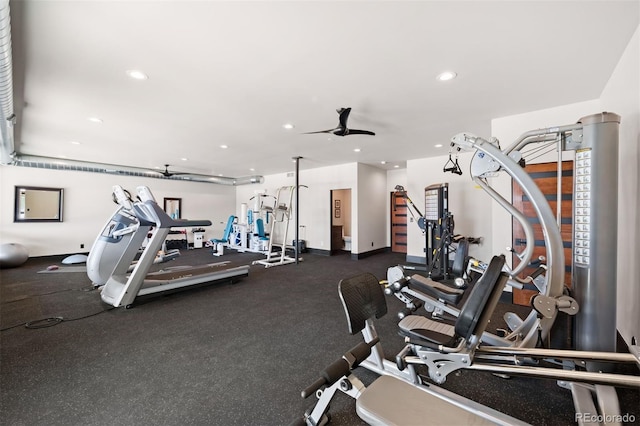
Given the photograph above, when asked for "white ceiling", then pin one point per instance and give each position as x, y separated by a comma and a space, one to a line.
233, 72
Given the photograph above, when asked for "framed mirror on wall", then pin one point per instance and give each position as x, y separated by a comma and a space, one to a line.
37, 204
173, 207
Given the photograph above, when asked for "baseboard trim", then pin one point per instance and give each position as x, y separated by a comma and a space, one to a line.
319, 252
358, 256
421, 260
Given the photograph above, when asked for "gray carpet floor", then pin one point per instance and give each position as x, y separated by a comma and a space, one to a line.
226, 354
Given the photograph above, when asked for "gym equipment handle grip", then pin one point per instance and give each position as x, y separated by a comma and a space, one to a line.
540, 270
341, 367
309, 390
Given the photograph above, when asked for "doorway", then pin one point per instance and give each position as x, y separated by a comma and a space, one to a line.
398, 223
340, 220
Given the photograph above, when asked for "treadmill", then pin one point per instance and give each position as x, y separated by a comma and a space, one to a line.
122, 288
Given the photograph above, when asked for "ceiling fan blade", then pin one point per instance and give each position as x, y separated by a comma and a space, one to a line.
166, 173
344, 116
321, 131
360, 132
342, 129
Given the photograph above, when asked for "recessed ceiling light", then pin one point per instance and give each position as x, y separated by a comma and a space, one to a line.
220, 174
438, 145
137, 75
252, 170
383, 162
74, 143
184, 159
288, 126
356, 150
446, 76
95, 119
396, 166
224, 146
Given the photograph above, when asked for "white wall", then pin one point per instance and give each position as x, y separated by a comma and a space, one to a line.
370, 210
88, 205
622, 96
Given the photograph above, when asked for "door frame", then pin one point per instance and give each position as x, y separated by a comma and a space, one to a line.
391, 224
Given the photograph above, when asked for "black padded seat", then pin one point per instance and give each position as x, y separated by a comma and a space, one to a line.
391, 401
422, 328
436, 289
445, 290
473, 316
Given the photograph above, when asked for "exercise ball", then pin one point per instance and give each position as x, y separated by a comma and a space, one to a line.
12, 255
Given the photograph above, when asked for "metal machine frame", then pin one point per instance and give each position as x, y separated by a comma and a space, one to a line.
595, 140
281, 214
439, 229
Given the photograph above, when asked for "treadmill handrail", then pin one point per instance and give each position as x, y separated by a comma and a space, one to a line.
150, 211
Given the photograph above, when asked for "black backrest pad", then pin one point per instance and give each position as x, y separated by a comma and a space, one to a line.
478, 297
460, 260
362, 297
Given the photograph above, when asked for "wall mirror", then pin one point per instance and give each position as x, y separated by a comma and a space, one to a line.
173, 207
35, 204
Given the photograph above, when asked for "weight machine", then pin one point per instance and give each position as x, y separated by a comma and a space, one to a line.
594, 139
444, 348
281, 215
437, 225
403, 396
247, 231
439, 230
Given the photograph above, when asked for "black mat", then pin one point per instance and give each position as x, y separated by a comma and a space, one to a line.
219, 355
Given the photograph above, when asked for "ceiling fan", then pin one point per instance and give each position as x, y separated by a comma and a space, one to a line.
342, 129
167, 173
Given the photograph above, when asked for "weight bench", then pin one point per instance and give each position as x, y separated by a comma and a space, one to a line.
390, 399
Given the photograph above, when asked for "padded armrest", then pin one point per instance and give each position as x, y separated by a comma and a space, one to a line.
436, 289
